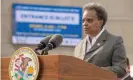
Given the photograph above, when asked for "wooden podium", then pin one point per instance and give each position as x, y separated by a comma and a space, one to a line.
60, 67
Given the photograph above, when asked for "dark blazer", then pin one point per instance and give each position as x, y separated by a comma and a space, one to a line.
108, 52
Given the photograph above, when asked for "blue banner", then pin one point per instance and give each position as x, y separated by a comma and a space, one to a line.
31, 23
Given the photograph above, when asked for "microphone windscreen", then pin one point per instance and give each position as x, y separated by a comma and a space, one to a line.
43, 43
45, 40
56, 40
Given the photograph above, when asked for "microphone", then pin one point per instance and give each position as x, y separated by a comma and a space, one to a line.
54, 42
42, 44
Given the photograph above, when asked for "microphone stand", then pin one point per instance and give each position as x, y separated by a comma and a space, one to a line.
44, 52
36, 51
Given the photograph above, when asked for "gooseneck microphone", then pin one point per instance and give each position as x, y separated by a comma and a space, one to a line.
42, 44
54, 42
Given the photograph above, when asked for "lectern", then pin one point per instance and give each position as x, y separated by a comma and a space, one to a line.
61, 67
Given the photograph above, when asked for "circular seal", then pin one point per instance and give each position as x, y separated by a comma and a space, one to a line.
24, 65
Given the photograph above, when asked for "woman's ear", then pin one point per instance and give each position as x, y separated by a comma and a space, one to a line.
101, 22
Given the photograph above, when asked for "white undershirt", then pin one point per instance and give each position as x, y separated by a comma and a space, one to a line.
89, 45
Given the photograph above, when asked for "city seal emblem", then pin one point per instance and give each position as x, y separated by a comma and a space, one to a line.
24, 65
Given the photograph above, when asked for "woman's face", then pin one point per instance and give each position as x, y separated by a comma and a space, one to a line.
90, 22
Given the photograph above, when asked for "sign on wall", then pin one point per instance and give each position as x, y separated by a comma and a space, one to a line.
31, 23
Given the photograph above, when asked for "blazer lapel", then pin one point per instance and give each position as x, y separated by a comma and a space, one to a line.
83, 50
100, 41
